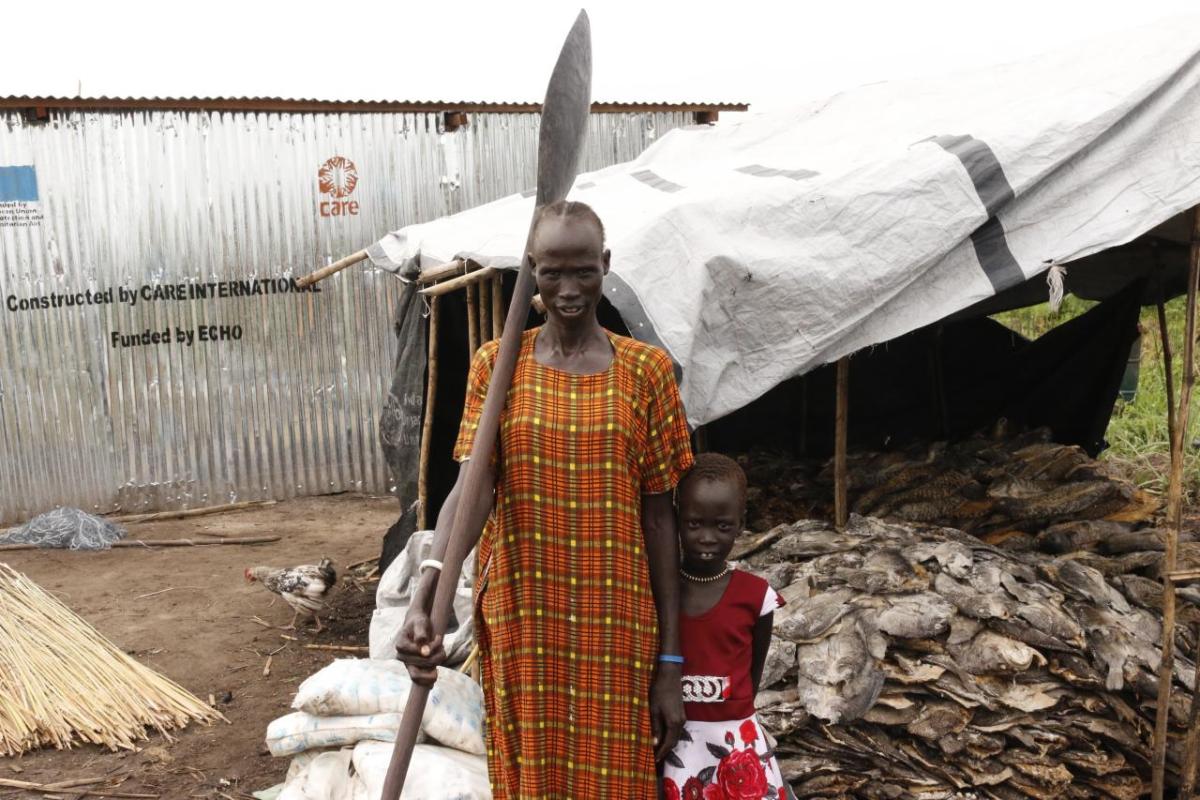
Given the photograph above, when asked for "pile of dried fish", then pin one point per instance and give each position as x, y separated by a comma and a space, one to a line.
920, 662
1010, 491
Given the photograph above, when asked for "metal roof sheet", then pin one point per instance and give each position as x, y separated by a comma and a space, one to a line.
300, 105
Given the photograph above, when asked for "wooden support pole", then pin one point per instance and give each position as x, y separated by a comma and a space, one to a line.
229, 540
440, 272
1184, 576
841, 507
334, 268
485, 311
470, 278
1174, 522
472, 320
939, 383
427, 423
802, 443
497, 306
1187, 784
339, 648
191, 512
1168, 370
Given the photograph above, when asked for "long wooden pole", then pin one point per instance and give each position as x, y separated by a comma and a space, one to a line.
468, 279
1188, 781
431, 275
1168, 370
939, 383
335, 267
427, 422
472, 317
1184, 575
803, 442
155, 516
560, 143
841, 507
164, 542
1174, 521
485, 311
441, 272
497, 306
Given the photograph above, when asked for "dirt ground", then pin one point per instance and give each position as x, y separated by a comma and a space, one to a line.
187, 612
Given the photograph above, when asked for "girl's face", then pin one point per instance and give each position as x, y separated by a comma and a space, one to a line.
710, 518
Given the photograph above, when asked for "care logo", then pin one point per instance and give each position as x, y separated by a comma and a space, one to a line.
337, 178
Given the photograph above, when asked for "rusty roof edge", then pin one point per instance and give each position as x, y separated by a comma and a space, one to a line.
280, 104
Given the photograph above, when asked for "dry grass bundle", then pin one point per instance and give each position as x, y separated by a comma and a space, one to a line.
61, 681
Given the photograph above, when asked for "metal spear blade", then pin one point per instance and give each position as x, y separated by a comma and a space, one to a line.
565, 114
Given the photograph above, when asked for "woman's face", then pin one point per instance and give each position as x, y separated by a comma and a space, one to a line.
569, 265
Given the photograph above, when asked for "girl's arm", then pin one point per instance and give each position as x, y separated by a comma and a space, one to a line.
662, 552
762, 643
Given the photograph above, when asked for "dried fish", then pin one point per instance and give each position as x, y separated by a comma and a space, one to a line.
1010, 656
805, 621
1083, 582
1086, 534
838, 676
915, 616
887, 570
781, 659
971, 602
936, 720
989, 652
943, 667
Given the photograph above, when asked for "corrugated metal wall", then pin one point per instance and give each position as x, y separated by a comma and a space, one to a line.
145, 200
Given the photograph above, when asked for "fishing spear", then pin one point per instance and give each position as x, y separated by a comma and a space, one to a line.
560, 143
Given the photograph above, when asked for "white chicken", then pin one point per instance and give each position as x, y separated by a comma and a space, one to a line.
304, 588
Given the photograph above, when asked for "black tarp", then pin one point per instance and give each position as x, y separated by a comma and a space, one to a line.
950, 380
400, 420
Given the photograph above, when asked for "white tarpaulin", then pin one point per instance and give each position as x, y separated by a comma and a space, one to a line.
757, 250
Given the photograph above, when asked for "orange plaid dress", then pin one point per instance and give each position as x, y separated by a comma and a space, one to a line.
566, 618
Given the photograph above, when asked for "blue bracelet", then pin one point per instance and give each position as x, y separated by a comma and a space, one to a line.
667, 659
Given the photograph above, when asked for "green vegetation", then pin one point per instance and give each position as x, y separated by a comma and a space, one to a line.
1137, 434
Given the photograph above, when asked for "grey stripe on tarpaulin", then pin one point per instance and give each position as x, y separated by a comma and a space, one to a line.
655, 181
994, 190
529, 193
626, 301
759, 171
380, 258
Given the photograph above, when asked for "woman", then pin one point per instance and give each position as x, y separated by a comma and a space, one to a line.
577, 599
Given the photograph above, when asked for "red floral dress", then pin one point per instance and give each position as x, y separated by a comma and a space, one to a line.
723, 753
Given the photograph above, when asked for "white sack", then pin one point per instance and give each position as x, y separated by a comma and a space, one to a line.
454, 714
436, 773
354, 686
300, 763
393, 597
326, 777
298, 732
349, 688
385, 632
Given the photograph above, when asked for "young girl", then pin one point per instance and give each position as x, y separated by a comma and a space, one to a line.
725, 629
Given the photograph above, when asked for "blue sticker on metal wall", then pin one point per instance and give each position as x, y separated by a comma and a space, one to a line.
19, 184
